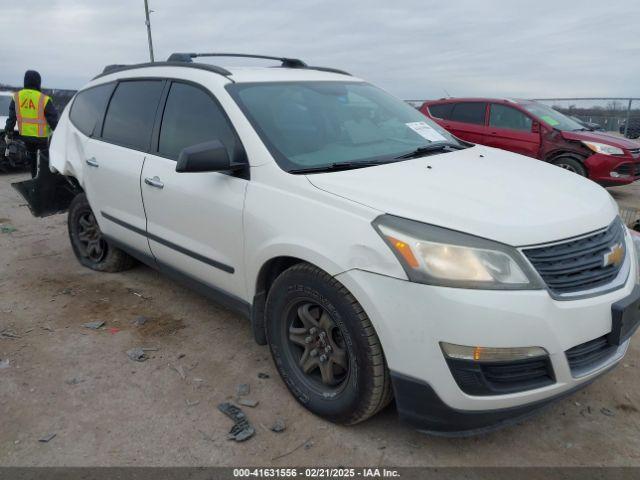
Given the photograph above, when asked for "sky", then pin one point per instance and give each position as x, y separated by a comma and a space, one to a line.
415, 49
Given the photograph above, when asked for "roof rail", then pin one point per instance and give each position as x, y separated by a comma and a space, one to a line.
285, 62
201, 66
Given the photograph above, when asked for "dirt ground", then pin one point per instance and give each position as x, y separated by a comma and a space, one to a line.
107, 410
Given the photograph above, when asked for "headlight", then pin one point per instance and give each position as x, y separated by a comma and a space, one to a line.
438, 256
603, 148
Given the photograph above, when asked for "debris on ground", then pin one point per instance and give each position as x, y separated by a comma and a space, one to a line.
607, 412
113, 330
48, 328
94, 325
308, 444
263, 375
137, 354
278, 426
9, 334
47, 438
248, 402
585, 411
4, 364
243, 389
179, 370
74, 381
66, 291
138, 294
192, 403
304, 444
140, 320
7, 229
242, 429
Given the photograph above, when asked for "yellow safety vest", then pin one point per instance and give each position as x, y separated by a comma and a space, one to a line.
30, 106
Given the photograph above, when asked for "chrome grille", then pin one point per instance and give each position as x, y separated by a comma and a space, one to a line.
578, 265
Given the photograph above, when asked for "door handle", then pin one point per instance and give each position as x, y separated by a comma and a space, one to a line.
154, 182
92, 162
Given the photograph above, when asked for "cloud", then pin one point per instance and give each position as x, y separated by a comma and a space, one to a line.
412, 48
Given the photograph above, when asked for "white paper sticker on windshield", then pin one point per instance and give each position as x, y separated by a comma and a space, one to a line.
426, 131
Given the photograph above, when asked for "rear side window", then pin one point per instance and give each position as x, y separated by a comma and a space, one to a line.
191, 116
503, 116
131, 113
441, 111
88, 107
469, 112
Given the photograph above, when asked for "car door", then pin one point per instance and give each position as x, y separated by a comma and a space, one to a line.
114, 160
467, 121
513, 130
194, 220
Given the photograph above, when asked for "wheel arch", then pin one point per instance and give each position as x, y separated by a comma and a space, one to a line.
268, 272
554, 155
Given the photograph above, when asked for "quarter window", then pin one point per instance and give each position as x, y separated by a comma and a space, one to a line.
191, 116
88, 107
469, 112
442, 110
131, 113
503, 116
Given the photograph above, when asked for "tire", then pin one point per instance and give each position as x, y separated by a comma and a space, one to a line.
88, 244
352, 383
571, 164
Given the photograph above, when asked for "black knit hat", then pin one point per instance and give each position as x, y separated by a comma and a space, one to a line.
32, 80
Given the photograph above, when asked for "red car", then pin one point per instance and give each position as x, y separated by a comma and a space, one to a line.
536, 130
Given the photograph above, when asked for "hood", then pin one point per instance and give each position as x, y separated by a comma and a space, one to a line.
483, 191
601, 137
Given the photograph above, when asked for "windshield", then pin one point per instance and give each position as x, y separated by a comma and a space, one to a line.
552, 117
316, 124
4, 106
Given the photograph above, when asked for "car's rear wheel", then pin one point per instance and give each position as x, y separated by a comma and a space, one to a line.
324, 346
89, 245
571, 164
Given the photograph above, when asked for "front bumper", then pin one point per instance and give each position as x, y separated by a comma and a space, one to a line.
412, 319
419, 405
610, 170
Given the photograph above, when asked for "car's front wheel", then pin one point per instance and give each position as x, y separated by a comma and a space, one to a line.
89, 245
325, 347
571, 164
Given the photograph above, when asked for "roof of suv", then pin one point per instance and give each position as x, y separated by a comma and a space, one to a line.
291, 69
520, 101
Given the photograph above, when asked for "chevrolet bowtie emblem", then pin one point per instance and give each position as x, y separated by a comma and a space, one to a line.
614, 256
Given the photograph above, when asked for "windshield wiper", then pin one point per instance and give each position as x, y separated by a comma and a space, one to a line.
334, 167
427, 149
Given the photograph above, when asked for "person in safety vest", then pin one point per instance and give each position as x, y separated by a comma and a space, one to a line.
36, 116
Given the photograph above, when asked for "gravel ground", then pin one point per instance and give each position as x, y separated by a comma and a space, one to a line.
105, 409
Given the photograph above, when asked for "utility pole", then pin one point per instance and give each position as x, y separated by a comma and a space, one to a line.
148, 23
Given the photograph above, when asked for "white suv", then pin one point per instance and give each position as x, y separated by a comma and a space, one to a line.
376, 254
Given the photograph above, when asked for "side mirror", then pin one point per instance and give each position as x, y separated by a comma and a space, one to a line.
535, 127
206, 157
